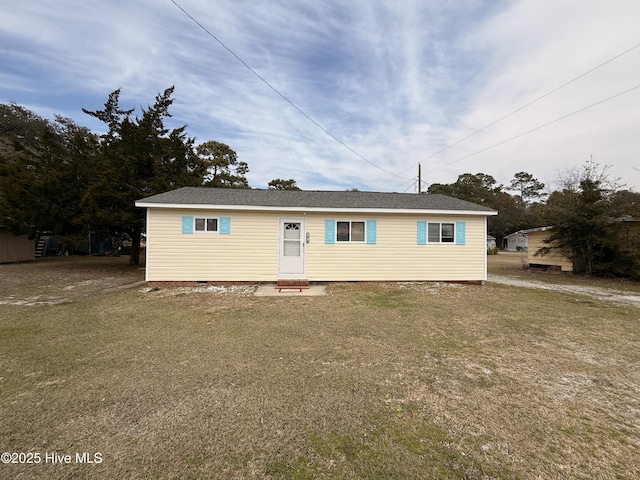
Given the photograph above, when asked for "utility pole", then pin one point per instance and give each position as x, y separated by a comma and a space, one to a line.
419, 179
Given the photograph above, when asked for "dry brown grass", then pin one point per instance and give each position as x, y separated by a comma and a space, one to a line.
56, 280
371, 381
515, 264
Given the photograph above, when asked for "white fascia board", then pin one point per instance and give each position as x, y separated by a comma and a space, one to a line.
313, 209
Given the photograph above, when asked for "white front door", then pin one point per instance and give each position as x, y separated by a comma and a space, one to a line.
292, 241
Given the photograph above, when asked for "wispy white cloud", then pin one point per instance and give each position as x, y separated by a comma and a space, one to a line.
535, 47
395, 81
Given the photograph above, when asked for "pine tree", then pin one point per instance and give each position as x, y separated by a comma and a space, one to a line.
139, 157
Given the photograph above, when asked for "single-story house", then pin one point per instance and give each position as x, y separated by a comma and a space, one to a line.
16, 248
201, 234
491, 242
628, 240
515, 242
553, 259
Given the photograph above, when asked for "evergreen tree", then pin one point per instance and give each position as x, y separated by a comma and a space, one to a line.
585, 227
279, 184
45, 168
528, 188
139, 157
20, 132
223, 170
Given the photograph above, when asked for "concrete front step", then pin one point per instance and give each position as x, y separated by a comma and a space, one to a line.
292, 284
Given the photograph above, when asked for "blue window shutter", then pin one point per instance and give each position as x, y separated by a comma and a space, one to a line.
460, 233
371, 231
225, 225
187, 224
329, 231
422, 233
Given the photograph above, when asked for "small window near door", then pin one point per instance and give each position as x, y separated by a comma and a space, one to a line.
292, 231
205, 225
291, 247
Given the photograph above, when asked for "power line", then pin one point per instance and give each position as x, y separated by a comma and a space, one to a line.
412, 184
281, 95
537, 128
526, 105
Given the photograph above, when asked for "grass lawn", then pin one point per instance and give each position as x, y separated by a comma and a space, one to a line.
388, 381
513, 264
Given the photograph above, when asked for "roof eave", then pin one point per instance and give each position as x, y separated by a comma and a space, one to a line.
192, 206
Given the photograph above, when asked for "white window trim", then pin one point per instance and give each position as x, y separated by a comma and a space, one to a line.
206, 232
364, 240
440, 242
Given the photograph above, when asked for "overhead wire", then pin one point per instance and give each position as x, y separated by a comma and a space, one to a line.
345, 145
412, 183
522, 134
525, 106
281, 95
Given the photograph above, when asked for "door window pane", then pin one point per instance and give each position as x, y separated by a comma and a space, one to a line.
292, 231
291, 248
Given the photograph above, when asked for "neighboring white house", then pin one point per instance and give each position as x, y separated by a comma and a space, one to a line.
491, 242
516, 242
200, 234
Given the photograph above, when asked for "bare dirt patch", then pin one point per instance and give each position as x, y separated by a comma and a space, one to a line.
596, 293
242, 290
510, 268
59, 280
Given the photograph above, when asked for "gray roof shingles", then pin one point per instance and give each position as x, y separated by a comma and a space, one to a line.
310, 199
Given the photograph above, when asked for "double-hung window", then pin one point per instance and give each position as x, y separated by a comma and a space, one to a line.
342, 231
441, 232
350, 231
205, 224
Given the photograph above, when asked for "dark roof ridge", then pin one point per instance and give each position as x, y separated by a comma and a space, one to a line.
311, 199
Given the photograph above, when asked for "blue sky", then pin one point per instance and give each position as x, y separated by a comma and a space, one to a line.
396, 81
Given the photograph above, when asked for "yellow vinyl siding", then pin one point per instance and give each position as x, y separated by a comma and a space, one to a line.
251, 251
553, 258
396, 254
248, 253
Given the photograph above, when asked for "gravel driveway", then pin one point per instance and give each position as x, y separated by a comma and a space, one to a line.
617, 296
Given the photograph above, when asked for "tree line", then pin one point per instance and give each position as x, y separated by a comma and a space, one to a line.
590, 213
58, 176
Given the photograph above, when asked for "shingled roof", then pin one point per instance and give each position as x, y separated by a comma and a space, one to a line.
200, 196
